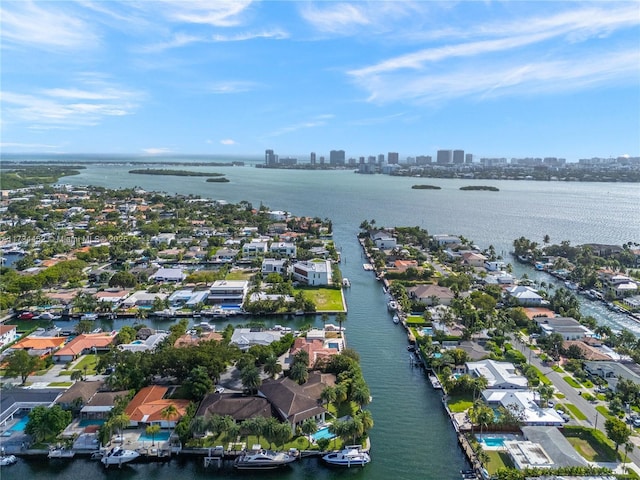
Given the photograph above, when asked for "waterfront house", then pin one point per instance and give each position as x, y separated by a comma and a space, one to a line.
494, 265
525, 296
146, 408
499, 375
284, 249
38, 346
316, 272
245, 338
20, 401
100, 405
142, 298
191, 339
78, 394
174, 275
431, 295
446, 240
225, 255
111, 295
383, 240
474, 259
525, 403
237, 405
294, 403
617, 285
318, 348
8, 334
255, 248
612, 371
148, 344
83, 344
557, 447
229, 292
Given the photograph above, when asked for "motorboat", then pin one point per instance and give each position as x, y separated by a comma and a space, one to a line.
118, 456
396, 319
61, 452
261, 459
49, 316
392, 305
350, 456
346, 282
7, 460
89, 316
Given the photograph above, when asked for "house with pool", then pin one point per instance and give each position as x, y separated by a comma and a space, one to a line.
526, 404
500, 375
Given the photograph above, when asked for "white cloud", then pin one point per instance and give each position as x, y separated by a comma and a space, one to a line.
27, 145
219, 13
318, 121
228, 141
85, 105
276, 34
46, 26
156, 150
230, 87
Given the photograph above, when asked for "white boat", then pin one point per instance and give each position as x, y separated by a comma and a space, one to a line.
346, 282
392, 305
264, 460
396, 319
61, 453
118, 456
89, 316
7, 460
49, 316
350, 456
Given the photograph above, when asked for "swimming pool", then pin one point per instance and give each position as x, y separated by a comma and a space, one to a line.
323, 433
496, 441
161, 436
334, 345
427, 331
87, 422
19, 427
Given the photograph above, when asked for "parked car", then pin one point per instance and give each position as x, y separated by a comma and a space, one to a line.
636, 422
26, 316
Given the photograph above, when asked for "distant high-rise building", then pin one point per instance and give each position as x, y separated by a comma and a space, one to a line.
381, 158
361, 160
322, 160
444, 157
336, 157
352, 161
270, 158
371, 159
392, 158
468, 158
423, 159
313, 158
458, 157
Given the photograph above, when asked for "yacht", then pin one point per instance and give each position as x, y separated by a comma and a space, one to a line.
118, 456
89, 316
264, 460
49, 316
350, 456
7, 460
392, 305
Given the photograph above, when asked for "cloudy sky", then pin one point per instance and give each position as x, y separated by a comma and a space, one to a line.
508, 79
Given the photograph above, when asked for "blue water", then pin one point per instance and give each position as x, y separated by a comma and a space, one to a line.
493, 441
88, 422
19, 427
334, 345
427, 331
159, 437
323, 433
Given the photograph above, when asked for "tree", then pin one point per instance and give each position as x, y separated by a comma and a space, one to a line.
545, 392
123, 279
271, 366
328, 395
309, 427
84, 326
77, 375
169, 412
198, 383
617, 431
152, 430
250, 377
46, 423
341, 318
21, 364
299, 372
120, 422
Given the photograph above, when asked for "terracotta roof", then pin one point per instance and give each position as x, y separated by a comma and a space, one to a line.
86, 341
188, 340
589, 352
6, 328
149, 402
39, 343
533, 312
315, 348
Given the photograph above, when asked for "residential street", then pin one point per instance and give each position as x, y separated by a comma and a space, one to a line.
594, 418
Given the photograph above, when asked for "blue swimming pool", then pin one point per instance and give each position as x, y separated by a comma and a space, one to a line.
323, 433
427, 331
161, 436
334, 345
87, 422
493, 442
19, 427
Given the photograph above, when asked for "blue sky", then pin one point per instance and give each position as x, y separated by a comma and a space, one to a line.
497, 79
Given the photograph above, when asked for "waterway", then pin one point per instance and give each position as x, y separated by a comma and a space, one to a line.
412, 437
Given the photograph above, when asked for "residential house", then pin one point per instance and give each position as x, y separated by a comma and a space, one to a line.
292, 402
148, 344
318, 349
525, 403
568, 327
254, 248
273, 265
225, 255
83, 344
616, 285
525, 296
245, 338
111, 295
446, 240
315, 272
175, 275
431, 295
20, 401
146, 408
142, 298
612, 371
500, 375
8, 334
78, 394
190, 339
284, 249
38, 346
494, 265
100, 405
237, 405
556, 447
474, 259
384, 240
162, 239
228, 292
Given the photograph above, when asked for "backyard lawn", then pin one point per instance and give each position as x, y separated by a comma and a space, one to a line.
590, 447
89, 362
325, 299
497, 460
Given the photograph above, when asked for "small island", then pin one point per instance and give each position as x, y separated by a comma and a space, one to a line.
217, 180
426, 187
176, 173
480, 187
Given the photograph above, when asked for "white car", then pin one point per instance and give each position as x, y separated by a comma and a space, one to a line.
219, 389
550, 403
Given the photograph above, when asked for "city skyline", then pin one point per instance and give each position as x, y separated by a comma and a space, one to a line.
499, 79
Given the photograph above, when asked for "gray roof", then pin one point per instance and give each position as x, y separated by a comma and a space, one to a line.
291, 400
556, 445
238, 406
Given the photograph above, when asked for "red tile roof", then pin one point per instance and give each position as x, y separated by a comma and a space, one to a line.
149, 402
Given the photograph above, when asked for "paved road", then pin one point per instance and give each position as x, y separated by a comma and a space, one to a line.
594, 418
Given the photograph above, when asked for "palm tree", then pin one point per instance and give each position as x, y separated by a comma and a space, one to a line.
341, 317
628, 448
76, 375
325, 319
152, 430
367, 420
168, 413
250, 377
120, 422
299, 373
309, 427
328, 395
271, 366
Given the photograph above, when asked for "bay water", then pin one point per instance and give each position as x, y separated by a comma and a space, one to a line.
412, 437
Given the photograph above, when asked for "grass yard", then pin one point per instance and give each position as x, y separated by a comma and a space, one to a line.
459, 404
325, 299
239, 275
415, 320
574, 411
497, 460
60, 384
571, 381
89, 362
543, 379
593, 448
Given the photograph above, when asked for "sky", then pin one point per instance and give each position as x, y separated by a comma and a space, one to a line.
163, 77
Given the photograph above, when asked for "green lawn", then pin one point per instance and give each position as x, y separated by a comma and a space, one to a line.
604, 411
571, 381
88, 361
497, 460
60, 384
325, 299
592, 446
460, 403
239, 275
575, 412
415, 320
541, 376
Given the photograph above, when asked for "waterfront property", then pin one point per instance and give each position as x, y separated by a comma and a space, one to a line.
149, 405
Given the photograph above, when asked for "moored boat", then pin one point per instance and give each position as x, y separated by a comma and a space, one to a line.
261, 459
392, 305
118, 456
7, 460
350, 456
396, 319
